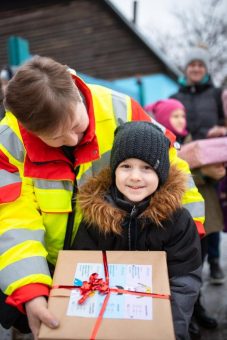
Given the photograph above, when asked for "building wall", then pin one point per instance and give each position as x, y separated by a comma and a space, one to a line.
85, 34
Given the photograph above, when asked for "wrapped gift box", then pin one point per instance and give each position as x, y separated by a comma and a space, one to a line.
127, 316
204, 152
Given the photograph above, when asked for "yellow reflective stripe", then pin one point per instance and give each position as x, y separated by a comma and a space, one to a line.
7, 178
13, 237
11, 143
21, 251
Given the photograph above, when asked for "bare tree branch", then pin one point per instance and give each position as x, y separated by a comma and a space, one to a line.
204, 24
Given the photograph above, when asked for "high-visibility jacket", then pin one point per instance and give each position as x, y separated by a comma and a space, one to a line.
36, 185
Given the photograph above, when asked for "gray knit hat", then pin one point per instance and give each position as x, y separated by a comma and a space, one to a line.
142, 140
197, 53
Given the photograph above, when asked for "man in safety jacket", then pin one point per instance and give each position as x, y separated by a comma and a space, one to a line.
56, 132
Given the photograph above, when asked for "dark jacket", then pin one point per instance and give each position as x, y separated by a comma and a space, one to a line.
158, 223
203, 106
203, 111
2, 109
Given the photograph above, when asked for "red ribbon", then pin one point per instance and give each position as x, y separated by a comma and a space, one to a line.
98, 284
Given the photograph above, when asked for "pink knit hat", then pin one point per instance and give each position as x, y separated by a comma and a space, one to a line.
162, 111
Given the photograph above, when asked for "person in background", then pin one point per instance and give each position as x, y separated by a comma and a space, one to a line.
57, 132
222, 188
6, 74
135, 204
224, 98
205, 119
171, 114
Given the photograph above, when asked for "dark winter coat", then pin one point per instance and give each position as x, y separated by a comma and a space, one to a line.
203, 107
204, 110
159, 223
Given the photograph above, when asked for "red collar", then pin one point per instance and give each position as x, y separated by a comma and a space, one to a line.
38, 152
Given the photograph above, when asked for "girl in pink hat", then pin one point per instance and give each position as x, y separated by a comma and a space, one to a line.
171, 114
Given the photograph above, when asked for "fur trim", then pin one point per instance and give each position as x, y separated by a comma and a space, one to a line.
97, 211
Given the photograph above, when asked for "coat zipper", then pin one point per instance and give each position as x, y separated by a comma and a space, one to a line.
129, 227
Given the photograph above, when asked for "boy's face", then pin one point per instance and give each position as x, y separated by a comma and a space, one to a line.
136, 179
72, 132
195, 71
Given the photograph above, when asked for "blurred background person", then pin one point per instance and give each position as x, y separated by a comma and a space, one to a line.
6, 74
224, 98
205, 119
171, 114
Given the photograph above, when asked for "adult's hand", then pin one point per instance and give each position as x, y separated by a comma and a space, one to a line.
37, 312
215, 171
217, 131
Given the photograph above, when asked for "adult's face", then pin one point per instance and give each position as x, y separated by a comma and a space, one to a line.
72, 131
195, 71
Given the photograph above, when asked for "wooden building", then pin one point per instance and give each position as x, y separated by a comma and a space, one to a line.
91, 36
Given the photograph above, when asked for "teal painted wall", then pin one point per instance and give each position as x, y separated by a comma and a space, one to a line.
145, 90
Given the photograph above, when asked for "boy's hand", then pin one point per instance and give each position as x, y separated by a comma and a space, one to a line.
37, 312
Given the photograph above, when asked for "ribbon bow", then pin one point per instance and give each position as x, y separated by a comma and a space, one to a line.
94, 283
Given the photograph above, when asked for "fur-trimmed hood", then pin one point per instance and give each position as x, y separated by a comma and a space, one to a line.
108, 218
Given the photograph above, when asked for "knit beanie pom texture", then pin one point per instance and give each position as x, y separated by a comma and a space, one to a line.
144, 141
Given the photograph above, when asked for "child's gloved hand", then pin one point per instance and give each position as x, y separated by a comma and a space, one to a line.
37, 312
214, 171
217, 131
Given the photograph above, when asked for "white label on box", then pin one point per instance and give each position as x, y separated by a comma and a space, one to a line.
120, 306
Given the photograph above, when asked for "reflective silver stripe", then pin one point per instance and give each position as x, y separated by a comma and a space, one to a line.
161, 127
119, 102
196, 209
11, 142
84, 177
23, 268
45, 184
13, 237
97, 165
8, 178
191, 183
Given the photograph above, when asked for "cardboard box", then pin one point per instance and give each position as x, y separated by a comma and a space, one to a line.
204, 152
74, 327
